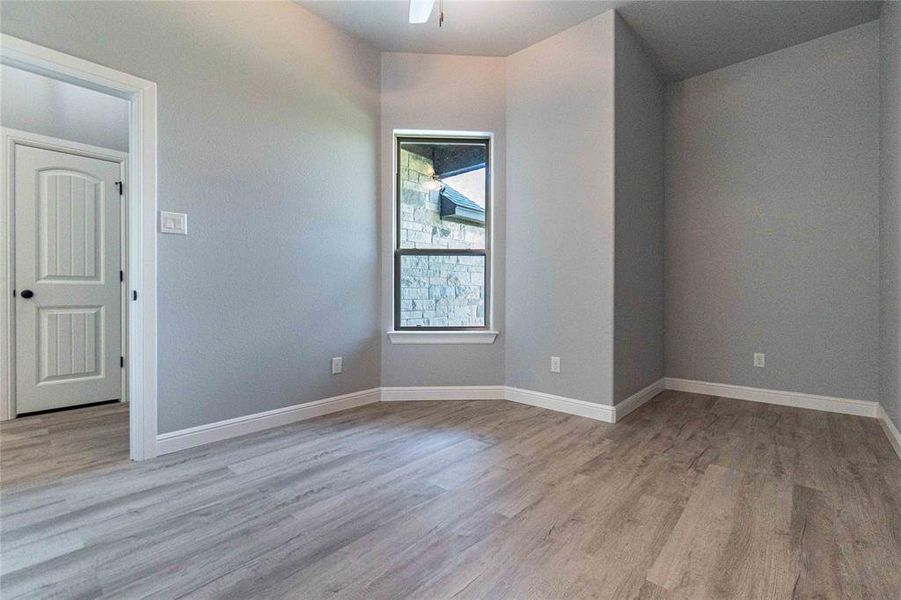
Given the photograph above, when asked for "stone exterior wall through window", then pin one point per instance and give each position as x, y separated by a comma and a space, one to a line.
436, 291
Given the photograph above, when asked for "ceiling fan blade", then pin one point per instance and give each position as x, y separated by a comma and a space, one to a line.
420, 10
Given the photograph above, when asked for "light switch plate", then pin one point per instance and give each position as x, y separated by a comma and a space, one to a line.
173, 222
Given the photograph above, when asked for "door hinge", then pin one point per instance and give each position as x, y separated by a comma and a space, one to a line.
121, 362
134, 295
121, 275
121, 187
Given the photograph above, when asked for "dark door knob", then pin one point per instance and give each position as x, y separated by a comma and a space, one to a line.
26, 294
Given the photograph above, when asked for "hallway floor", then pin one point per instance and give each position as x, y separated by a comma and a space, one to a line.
49, 446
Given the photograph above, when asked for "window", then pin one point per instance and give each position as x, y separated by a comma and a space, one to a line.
441, 257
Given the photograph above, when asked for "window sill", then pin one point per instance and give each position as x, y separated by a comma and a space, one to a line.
442, 337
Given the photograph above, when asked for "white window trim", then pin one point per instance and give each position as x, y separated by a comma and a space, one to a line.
479, 336
442, 337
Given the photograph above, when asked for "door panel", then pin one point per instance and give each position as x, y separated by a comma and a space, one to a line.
69, 224
68, 243
71, 343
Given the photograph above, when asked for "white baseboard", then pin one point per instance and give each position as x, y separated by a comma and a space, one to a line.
222, 430
637, 399
572, 406
862, 408
450, 392
894, 436
581, 408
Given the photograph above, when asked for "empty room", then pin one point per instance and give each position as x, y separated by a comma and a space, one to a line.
509, 299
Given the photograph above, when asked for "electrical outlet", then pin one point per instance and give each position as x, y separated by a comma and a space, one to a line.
759, 360
555, 364
337, 365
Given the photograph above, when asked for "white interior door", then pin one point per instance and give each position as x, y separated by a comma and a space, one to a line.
67, 261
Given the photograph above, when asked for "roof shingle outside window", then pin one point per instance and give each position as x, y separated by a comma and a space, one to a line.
457, 207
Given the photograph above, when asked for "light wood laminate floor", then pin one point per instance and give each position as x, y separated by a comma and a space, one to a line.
689, 497
49, 446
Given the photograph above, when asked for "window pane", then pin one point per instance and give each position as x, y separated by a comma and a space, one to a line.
442, 195
442, 291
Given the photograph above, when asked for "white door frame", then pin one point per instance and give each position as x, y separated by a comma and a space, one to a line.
141, 209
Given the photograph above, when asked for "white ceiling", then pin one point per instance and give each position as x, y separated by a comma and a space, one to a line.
687, 38
684, 37
472, 27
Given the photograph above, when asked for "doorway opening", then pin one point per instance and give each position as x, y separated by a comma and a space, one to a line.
89, 315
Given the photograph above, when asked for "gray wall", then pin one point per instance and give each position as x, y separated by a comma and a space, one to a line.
38, 104
638, 272
890, 218
455, 93
560, 213
772, 220
268, 121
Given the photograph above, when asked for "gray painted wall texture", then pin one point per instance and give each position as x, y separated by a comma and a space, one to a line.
771, 207
268, 121
32, 102
451, 93
560, 213
638, 276
772, 220
890, 217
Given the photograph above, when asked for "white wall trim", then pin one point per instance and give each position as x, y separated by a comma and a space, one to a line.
62, 145
222, 430
141, 210
862, 408
894, 436
581, 408
572, 406
442, 337
230, 428
452, 392
638, 399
